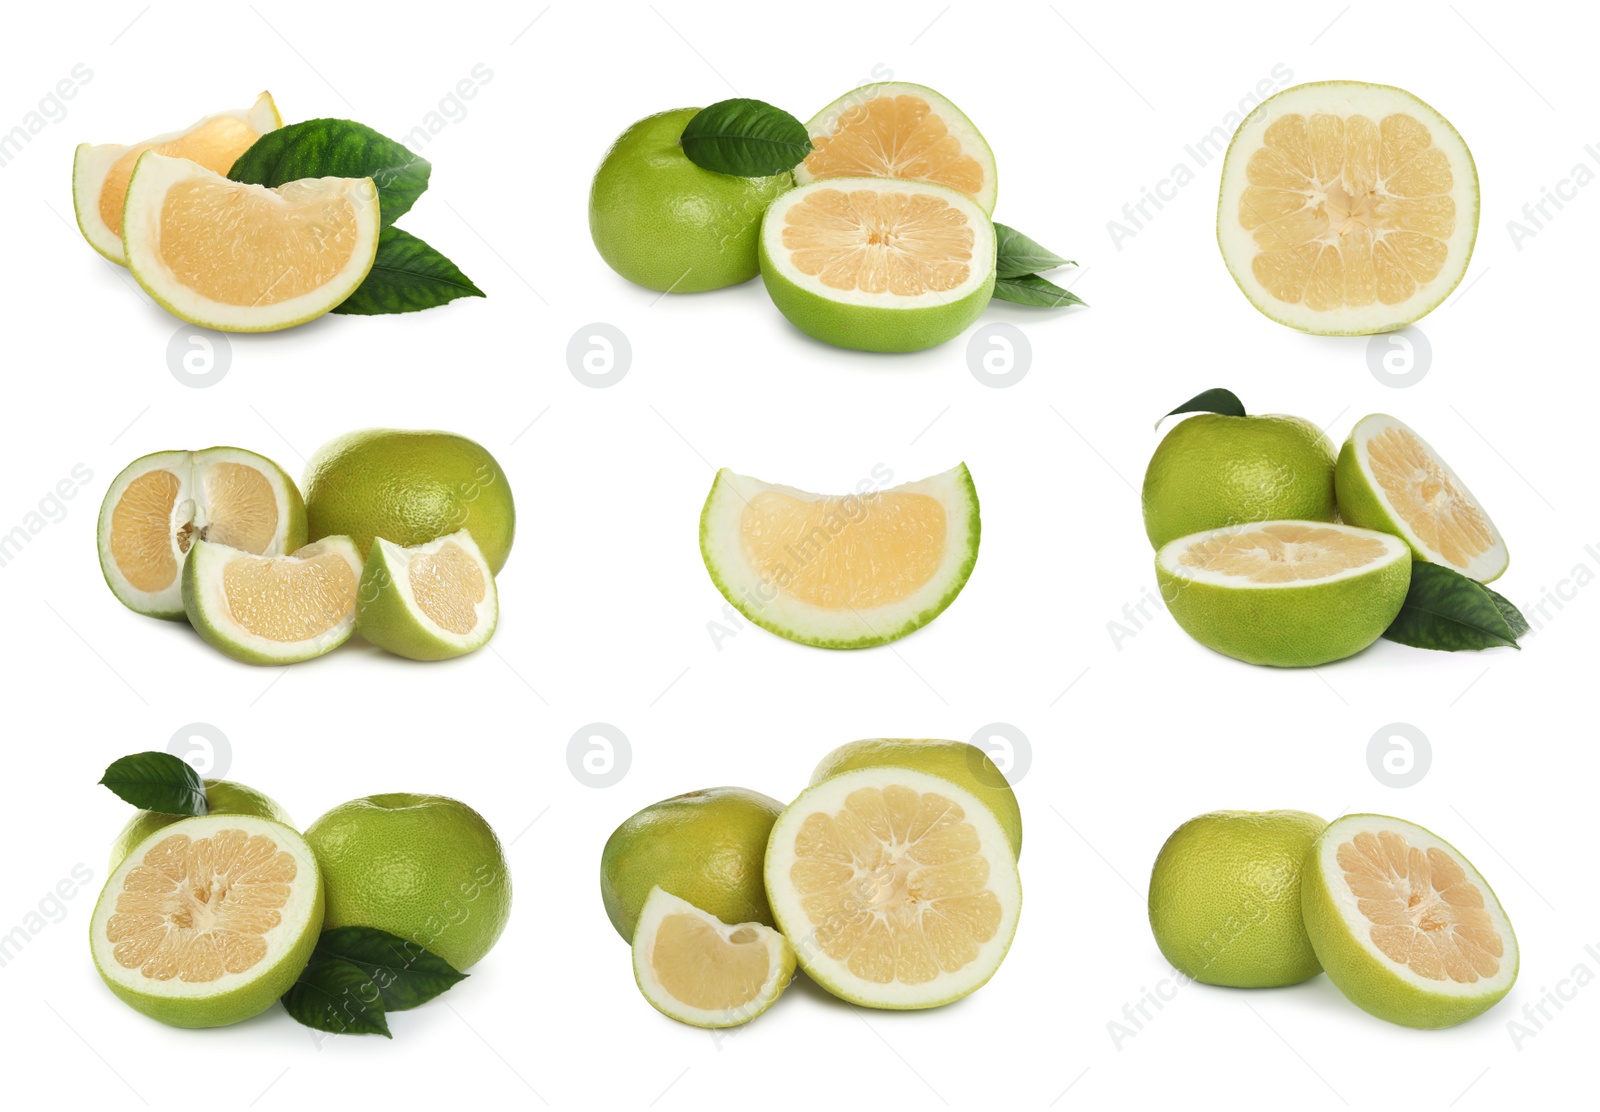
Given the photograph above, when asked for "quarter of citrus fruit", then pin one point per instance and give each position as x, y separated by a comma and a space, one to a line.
208, 921
100, 172
703, 846
876, 264
245, 258
1215, 469
1291, 594
659, 220
223, 797
424, 867
1225, 898
1404, 925
957, 761
161, 504
1347, 208
699, 970
893, 129
1390, 479
273, 609
410, 487
897, 889
431, 601
841, 571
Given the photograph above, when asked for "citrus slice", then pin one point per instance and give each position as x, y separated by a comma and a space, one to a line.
209, 921
245, 258
433, 601
100, 172
878, 265
898, 889
1389, 478
699, 970
894, 129
840, 571
273, 609
1285, 593
1347, 208
160, 504
1404, 925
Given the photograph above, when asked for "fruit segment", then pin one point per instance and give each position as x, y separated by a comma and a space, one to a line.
433, 601
701, 971
273, 610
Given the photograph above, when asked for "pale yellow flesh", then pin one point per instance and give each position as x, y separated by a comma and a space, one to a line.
896, 885
241, 504
881, 242
843, 553
1347, 210
1441, 514
215, 144
696, 965
448, 586
289, 600
1283, 552
895, 137
196, 910
1425, 912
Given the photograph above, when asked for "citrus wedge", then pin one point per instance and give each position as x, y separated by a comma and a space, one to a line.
162, 503
1285, 593
209, 921
430, 602
100, 172
893, 129
840, 572
878, 265
1389, 478
1347, 208
896, 888
273, 609
1404, 925
699, 970
245, 258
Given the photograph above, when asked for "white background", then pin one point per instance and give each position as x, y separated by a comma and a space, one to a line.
605, 603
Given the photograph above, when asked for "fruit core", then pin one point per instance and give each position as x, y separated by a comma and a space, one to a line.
241, 511
879, 242
1283, 552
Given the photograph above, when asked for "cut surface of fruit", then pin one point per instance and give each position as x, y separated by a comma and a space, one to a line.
1389, 478
699, 970
245, 258
898, 889
878, 265
893, 129
210, 920
273, 609
1404, 925
160, 504
1347, 208
841, 571
430, 602
101, 172
1285, 593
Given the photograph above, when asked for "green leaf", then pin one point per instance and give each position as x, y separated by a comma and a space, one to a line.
337, 149
1017, 256
406, 277
157, 781
338, 996
1447, 611
1513, 616
1030, 289
746, 138
1215, 400
405, 973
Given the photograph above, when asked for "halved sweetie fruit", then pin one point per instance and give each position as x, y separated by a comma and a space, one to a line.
1291, 594
160, 504
432, 601
1347, 208
1389, 478
841, 571
273, 609
100, 172
699, 970
894, 129
878, 265
897, 889
245, 258
1404, 925
209, 921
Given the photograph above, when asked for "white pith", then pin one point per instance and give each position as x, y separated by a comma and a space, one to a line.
1168, 557
661, 904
